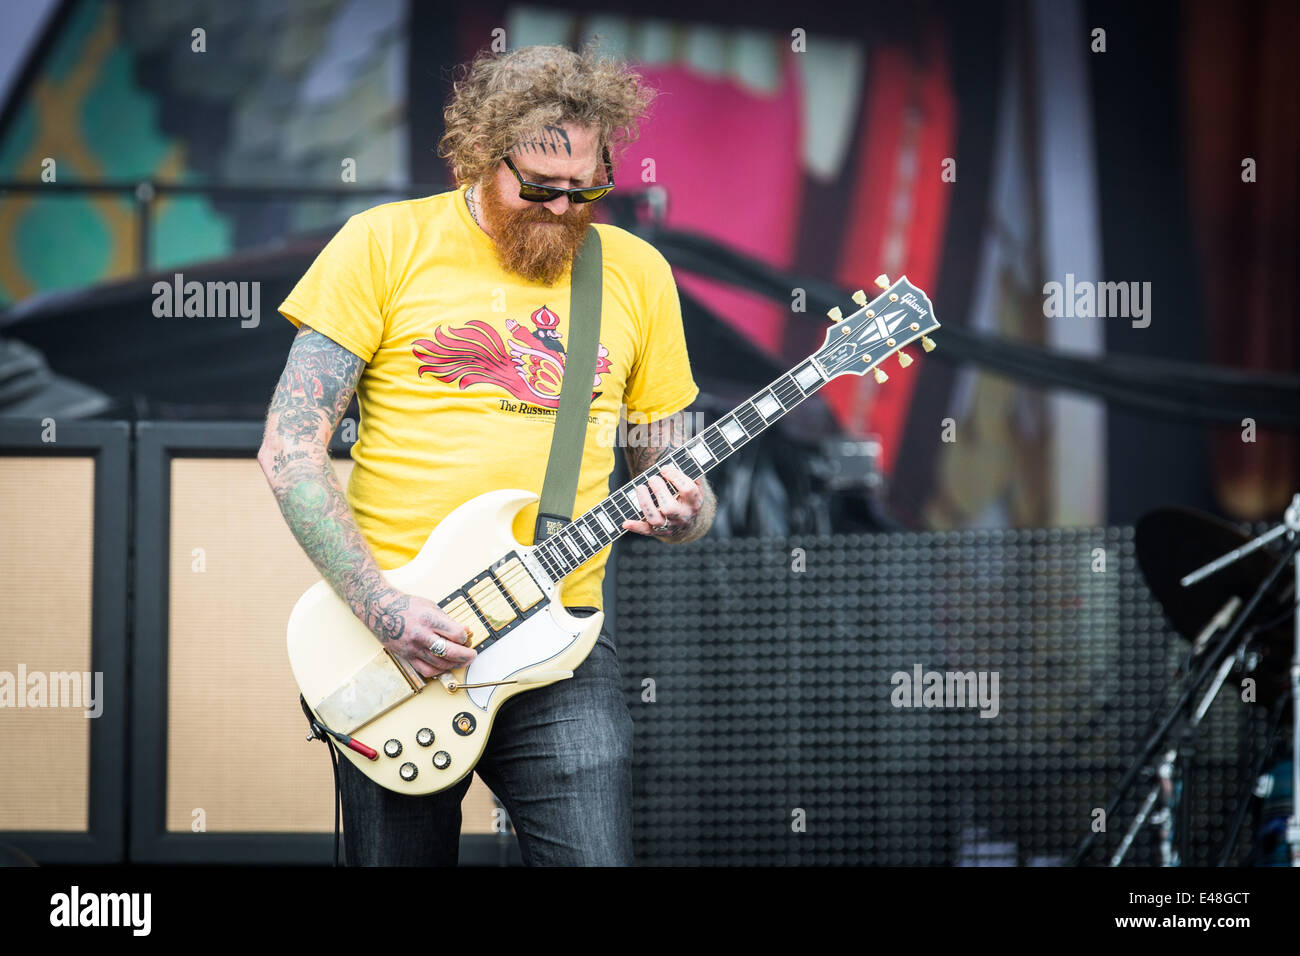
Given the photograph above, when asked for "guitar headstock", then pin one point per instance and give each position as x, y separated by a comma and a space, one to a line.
858, 343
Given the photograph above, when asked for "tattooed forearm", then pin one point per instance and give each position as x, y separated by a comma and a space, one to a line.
282, 461
654, 441
550, 139
312, 395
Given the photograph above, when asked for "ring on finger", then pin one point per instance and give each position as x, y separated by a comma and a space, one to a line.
438, 648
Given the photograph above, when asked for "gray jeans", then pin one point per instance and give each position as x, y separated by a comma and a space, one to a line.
559, 758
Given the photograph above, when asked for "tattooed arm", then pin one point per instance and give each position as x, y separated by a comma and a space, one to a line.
314, 391
688, 513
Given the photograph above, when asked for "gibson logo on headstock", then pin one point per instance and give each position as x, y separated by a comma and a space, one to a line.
911, 300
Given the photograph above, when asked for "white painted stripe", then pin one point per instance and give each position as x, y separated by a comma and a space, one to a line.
830, 101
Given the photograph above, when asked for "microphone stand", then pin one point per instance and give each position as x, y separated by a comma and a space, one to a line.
1214, 661
1171, 783
1256, 770
1290, 526
1293, 825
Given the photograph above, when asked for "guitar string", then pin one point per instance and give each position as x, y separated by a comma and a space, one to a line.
515, 576
553, 559
787, 394
518, 574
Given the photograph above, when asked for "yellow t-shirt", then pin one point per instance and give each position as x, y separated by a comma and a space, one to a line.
464, 363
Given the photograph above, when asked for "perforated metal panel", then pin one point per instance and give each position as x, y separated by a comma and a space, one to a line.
776, 734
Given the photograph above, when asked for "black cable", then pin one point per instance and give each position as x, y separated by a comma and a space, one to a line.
322, 733
338, 800
1165, 387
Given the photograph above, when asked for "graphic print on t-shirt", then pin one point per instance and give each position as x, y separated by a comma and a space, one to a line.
530, 366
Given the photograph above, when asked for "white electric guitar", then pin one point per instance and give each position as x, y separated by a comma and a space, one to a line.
417, 735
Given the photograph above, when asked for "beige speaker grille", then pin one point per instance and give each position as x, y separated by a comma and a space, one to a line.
46, 551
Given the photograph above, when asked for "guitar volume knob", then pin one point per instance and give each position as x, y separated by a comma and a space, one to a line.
424, 737
393, 748
408, 771
442, 760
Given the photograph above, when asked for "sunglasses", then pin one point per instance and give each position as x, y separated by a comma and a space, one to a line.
536, 192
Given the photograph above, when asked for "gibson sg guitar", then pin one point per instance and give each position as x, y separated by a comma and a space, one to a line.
418, 735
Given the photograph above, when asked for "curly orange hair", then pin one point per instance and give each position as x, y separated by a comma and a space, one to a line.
504, 96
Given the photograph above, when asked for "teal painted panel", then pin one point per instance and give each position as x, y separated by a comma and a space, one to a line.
74, 32
16, 145
189, 231
62, 243
119, 123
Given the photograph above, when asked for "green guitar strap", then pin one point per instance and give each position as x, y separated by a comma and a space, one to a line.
560, 488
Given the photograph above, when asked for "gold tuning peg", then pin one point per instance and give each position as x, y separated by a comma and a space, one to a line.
881, 377
835, 313
904, 360
860, 297
882, 280
927, 343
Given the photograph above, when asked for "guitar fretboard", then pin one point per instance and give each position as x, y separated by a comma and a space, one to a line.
587, 535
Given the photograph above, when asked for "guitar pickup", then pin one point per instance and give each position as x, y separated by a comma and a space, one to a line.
491, 603
460, 611
518, 583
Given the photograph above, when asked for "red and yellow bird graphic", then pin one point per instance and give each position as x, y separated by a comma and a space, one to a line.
530, 366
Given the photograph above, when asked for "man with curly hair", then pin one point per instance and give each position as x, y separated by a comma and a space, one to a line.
448, 317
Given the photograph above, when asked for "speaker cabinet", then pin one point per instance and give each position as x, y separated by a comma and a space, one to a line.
62, 638
224, 769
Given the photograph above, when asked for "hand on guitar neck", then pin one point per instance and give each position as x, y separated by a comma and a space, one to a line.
408, 626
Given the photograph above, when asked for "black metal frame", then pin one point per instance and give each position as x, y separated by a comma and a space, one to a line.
157, 443
108, 443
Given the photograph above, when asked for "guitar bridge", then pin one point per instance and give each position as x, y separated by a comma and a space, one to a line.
375, 688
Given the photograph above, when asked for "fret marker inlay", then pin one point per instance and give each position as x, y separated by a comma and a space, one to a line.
808, 376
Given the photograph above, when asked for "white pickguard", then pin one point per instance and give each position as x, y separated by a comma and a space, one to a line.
538, 639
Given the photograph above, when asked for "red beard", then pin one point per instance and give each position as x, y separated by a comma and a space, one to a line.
539, 253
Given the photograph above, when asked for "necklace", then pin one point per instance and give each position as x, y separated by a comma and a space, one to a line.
469, 199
